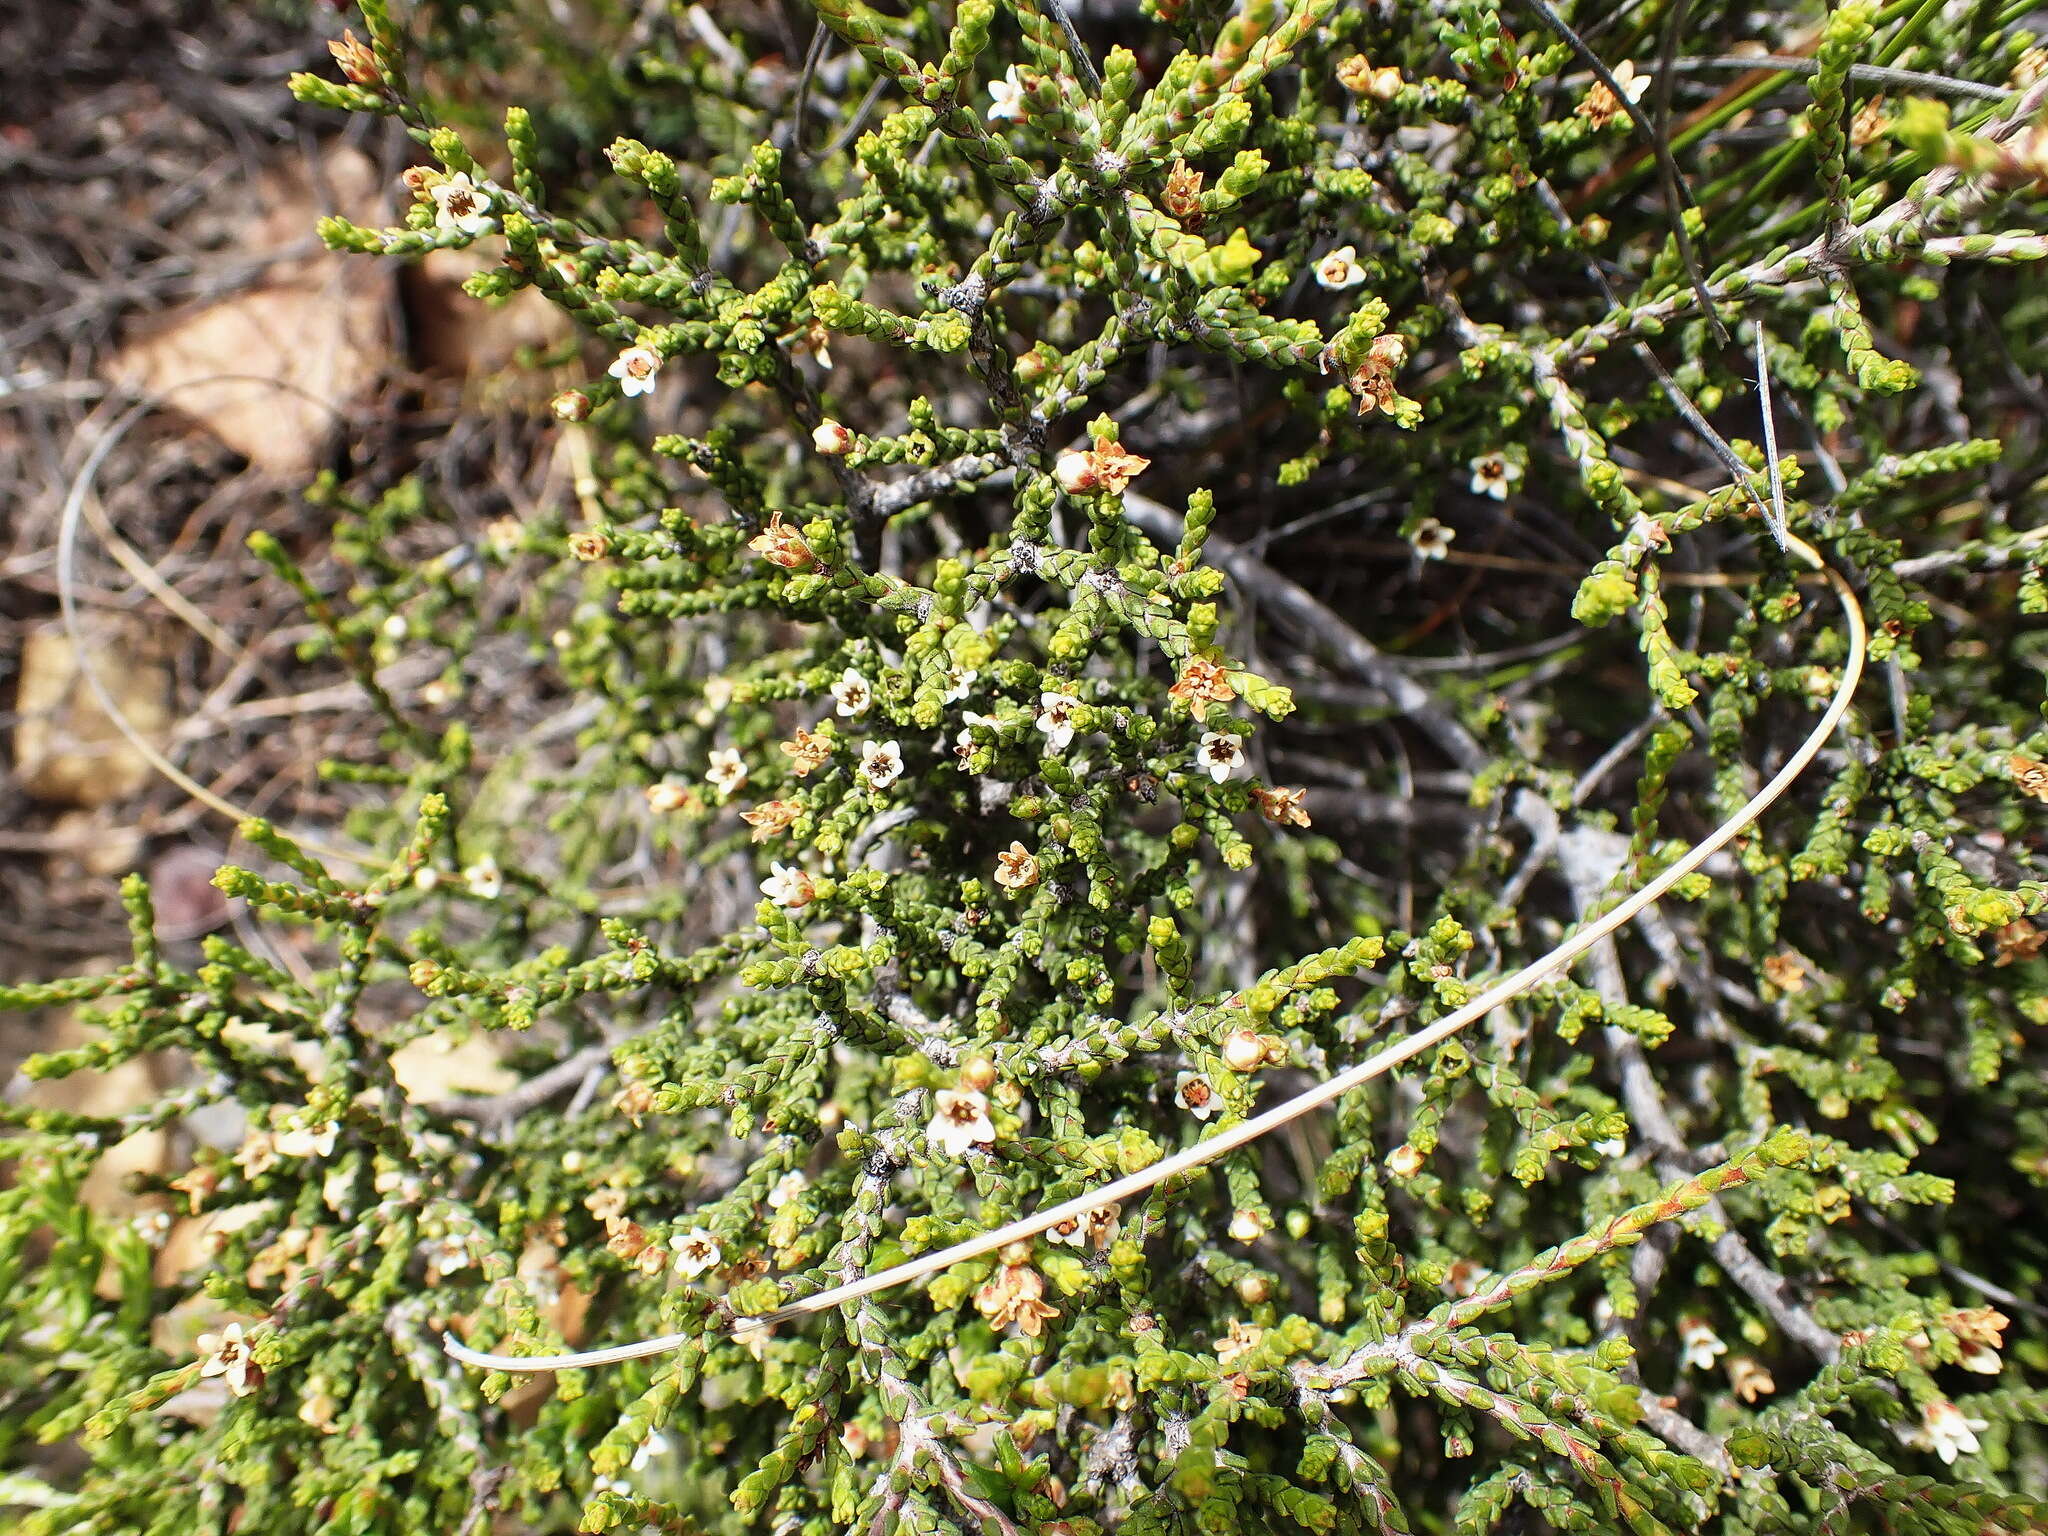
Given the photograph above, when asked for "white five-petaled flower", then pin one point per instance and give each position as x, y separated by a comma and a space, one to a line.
1702, 1346
1949, 1433
635, 369
786, 1189
227, 1354
1601, 106
485, 880
1340, 269
959, 681
1007, 98
460, 204
696, 1251
852, 693
153, 1227
963, 744
1096, 1228
316, 1142
1191, 1091
1431, 540
653, 1448
789, 887
959, 1121
1220, 754
1494, 474
881, 763
446, 1256
727, 774
1056, 718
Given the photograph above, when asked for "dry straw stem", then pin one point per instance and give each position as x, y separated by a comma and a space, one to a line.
76, 499
1208, 1150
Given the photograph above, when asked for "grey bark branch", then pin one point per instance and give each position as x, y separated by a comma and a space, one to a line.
1313, 625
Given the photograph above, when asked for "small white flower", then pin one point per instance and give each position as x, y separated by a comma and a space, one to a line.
696, 1251
963, 743
1702, 1345
446, 1256
881, 763
1056, 718
653, 1448
1340, 269
1191, 1091
485, 880
1948, 1432
460, 204
959, 1121
1632, 84
1220, 754
959, 682
786, 1189
1245, 1227
227, 1354
727, 774
1431, 540
852, 693
317, 1142
1978, 1358
1007, 105
153, 1227
1494, 474
1613, 1146
788, 887
635, 369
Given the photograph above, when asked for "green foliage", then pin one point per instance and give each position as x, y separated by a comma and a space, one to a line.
929, 854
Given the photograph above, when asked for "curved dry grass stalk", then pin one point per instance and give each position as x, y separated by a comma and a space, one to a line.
1246, 1131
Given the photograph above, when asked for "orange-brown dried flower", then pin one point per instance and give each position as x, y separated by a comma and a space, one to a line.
1182, 195
358, 63
808, 751
771, 817
1016, 869
1015, 1296
1282, 807
1202, 682
780, 544
2030, 774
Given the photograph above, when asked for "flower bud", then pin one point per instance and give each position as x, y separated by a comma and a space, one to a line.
831, 438
1075, 472
978, 1073
1243, 1051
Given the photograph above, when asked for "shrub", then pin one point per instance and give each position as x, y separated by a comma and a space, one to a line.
1025, 719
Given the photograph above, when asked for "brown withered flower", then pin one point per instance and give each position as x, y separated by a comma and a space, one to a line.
1282, 807
1202, 682
771, 817
1182, 195
780, 544
808, 751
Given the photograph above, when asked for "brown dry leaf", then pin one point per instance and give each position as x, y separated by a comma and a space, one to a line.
434, 1067
66, 749
115, 1091
302, 345
477, 342
95, 843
